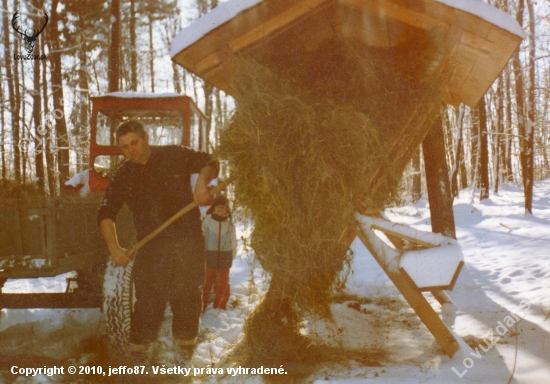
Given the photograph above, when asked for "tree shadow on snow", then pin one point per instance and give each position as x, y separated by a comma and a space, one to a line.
470, 295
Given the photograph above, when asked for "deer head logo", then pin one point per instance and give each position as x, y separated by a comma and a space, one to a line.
29, 40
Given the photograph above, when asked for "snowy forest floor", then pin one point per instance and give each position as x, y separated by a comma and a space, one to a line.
506, 276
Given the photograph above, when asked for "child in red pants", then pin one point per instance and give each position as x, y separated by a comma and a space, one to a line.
221, 247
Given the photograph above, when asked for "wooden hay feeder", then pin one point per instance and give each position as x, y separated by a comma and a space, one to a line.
477, 39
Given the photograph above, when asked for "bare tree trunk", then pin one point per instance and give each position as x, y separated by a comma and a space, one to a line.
114, 56
417, 176
543, 138
2, 105
437, 181
114, 49
11, 79
151, 56
463, 170
37, 106
82, 109
208, 108
508, 131
204, 7
133, 50
497, 142
176, 78
522, 129
474, 152
458, 160
184, 82
528, 173
483, 151
21, 111
50, 161
195, 92
58, 98
2, 132
220, 117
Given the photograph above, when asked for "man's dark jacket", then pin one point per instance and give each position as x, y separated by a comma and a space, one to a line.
157, 190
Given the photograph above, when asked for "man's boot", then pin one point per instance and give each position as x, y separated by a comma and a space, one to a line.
185, 348
140, 353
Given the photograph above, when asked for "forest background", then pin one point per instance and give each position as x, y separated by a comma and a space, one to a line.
92, 47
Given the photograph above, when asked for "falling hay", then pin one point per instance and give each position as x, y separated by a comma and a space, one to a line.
312, 141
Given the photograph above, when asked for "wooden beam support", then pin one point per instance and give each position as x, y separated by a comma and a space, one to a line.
387, 9
51, 300
276, 24
382, 253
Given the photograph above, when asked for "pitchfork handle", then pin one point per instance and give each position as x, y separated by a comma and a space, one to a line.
221, 185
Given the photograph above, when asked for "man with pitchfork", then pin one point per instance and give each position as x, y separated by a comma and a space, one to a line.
155, 184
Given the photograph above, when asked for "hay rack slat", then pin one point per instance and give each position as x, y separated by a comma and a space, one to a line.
477, 39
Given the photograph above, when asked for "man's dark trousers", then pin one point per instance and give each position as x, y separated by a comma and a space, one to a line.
168, 270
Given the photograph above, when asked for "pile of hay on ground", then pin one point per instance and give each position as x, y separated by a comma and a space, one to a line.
312, 141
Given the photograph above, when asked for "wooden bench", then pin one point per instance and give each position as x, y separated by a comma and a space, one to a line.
432, 264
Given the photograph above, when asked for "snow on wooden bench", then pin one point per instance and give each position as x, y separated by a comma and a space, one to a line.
435, 266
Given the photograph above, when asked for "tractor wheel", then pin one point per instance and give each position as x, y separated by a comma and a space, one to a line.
90, 282
118, 294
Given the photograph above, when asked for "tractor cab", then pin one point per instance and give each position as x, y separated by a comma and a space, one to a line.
169, 119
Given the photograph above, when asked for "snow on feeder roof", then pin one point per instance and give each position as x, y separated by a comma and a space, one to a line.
139, 95
481, 38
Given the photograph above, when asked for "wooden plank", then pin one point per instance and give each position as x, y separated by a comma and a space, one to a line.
242, 34
414, 297
413, 240
315, 30
441, 296
455, 278
452, 39
444, 287
449, 15
486, 71
364, 27
220, 76
207, 63
275, 24
51, 300
397, 241
235, 27
473, 24
399, 12
476, 44
464, 64
506, 42
478, 82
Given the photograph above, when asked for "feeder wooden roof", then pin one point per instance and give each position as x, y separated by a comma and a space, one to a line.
480, 38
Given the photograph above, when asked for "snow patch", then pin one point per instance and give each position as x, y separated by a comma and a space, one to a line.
488, 13
207, 23
141, 95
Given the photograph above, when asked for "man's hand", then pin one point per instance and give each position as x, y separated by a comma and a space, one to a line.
108, 230
202, 194
120, 257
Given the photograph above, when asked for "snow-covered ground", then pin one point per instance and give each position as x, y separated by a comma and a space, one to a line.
503, 291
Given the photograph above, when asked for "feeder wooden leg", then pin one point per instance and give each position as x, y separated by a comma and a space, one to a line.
417, 301
442, 297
